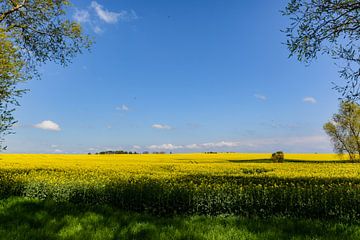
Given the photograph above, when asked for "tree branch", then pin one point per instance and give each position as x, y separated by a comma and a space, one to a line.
17, 7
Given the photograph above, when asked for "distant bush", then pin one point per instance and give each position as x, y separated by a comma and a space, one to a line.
277, 156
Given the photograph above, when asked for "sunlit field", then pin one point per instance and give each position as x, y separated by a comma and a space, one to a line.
174, 165
177, 196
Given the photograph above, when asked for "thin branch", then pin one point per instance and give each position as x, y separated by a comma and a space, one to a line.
17, 7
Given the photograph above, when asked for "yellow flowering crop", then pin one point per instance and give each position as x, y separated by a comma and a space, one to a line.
316, 185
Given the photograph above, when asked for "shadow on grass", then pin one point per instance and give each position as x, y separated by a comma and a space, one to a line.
33, 219
266, 160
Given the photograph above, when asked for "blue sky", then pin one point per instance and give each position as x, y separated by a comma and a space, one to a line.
180, 76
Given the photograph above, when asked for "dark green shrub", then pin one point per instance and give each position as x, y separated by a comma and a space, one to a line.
277, 156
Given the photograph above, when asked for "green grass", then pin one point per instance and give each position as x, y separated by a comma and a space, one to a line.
23, 219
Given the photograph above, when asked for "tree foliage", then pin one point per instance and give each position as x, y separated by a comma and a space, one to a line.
32, 32
329, 27
344, 130
277, 156
10, 72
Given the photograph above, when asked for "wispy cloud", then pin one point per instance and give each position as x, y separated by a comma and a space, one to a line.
123, 107
128, 16
311, 100
48, 125
103, 14
82, 16
112, 17
161, 126
314, 142
167, 146
220, 144
260, 97
97, 30
96, 14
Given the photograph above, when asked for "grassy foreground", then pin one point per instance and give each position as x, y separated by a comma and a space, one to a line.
22, 219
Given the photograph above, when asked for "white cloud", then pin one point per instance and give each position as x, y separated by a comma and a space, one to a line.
123, 108
113, 17
192, 146
105, 15
311, 100
260, 97
48, 125
82, 16
297, 144
58, 151
167, 146
128, 15
97, 30
221, 144
85, 16
161, 126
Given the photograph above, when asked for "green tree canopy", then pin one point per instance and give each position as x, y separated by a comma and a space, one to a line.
329, 27
10, 73
32, 32
344, 130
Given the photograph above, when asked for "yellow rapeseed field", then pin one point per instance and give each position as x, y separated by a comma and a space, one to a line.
171, 165
315, 185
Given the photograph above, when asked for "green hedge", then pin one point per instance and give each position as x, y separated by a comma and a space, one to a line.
203, 194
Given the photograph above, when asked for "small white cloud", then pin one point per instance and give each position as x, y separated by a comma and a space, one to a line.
48, 125
113, 17
314, 142
58, 151
192, 146
260, 97
82, 16
167, 146
161, 126
128, 16
221, 144
123, 108
97, 30
311, 100
103, 14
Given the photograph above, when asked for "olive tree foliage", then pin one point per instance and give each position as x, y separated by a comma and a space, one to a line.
329, 27
32, 32
344, 130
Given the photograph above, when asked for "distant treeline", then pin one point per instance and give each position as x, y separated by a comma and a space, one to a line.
145, 152
117, 152
127, 152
